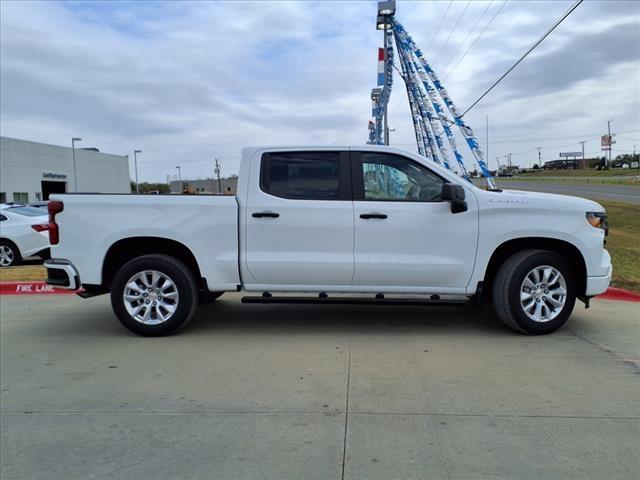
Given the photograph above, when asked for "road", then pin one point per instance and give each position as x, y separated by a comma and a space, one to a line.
616, 193
316, 392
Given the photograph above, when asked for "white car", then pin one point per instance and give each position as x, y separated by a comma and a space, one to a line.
23, 233
366, 220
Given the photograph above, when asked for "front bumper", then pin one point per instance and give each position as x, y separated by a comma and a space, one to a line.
62, 274
599, 284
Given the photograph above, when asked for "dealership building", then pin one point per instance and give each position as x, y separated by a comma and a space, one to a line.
30, 171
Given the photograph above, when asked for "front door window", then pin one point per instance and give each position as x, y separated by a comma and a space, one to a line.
393, 178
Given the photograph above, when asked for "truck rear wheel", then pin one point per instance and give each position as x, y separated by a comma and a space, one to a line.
534, 292
154, 295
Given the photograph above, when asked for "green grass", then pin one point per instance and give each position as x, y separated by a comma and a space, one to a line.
623, 244
23, 273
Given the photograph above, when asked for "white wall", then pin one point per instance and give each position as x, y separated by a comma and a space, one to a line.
23, 163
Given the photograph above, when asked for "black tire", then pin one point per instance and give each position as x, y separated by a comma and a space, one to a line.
507, 285
208, 297
12, 249
185, 285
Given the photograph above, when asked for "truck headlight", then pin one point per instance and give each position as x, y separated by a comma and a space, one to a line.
598, 220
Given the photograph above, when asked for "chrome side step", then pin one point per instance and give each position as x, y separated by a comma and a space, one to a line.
354, 301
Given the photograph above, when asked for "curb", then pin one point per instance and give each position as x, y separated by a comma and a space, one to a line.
41, 288
613, 293
31, 288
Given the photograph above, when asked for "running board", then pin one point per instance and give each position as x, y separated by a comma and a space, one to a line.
355, 301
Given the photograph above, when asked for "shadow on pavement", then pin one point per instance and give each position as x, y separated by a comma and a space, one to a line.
231, 316
74, 317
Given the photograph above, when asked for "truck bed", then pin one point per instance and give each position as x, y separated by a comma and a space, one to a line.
206, 224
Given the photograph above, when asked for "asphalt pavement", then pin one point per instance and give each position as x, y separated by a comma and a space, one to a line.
316, 392
616, 193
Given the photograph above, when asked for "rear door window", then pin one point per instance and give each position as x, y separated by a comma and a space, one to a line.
306, 175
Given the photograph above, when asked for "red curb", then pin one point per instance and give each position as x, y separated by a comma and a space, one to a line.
31, 288
620, 294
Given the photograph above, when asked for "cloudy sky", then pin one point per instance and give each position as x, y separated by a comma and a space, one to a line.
187, 82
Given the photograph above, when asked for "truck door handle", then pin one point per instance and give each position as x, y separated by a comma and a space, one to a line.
265, 214
367, 216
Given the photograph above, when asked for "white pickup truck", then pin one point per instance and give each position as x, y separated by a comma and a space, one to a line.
331, 221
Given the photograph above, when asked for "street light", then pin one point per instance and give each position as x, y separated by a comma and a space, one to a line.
387, 7
382, 22
386, 10
73, 153
135, 163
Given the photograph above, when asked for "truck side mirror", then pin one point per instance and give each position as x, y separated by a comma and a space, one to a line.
454, 194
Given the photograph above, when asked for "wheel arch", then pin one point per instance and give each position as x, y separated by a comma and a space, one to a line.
126, 249
569, 252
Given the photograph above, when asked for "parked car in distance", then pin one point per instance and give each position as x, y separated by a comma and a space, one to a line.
369, 220
11, 204
23, 233
42, 205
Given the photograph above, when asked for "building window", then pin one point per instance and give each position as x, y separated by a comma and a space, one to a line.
3, 197
21, 197
38, 196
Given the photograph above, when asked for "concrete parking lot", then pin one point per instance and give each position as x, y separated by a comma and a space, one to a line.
317, 392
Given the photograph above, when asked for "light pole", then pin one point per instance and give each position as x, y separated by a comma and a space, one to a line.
73, 153
386, 9
610, 142
217, 171
135, 163
179, 178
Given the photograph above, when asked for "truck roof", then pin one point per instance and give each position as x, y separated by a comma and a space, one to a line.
249, 151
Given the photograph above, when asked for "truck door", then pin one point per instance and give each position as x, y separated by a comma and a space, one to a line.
299, 220
405, 235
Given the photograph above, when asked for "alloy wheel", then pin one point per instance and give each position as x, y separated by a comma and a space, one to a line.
150, 297
543, 293
6, 256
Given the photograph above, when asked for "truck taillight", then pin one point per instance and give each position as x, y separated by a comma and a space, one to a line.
54, 208
40, 227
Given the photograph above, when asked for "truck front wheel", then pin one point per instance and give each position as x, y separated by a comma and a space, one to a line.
534, 292
154, 295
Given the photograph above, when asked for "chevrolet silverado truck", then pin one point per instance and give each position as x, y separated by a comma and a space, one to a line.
378, 224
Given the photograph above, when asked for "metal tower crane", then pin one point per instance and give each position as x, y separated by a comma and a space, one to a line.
426, 96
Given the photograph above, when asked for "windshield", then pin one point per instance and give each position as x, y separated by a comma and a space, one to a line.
27, 211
